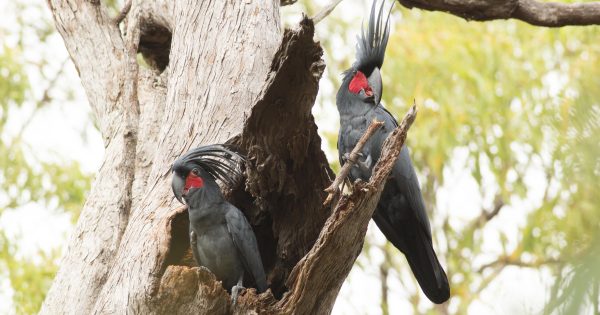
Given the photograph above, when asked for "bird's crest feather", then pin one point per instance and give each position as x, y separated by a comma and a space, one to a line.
218, 160
370, 48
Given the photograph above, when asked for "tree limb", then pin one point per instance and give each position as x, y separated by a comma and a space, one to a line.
123, 13
325, 11
554, 14
487, 215
505, 260
549, 14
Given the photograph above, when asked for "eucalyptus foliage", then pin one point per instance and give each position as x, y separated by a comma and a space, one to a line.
28, 176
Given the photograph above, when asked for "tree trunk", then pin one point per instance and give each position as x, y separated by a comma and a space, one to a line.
219, 72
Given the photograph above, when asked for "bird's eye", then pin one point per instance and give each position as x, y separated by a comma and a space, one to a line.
195, 171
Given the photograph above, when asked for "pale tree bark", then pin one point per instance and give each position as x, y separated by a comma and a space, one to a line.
220, 72
222, 51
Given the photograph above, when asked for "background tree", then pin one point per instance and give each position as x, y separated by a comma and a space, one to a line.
518, 114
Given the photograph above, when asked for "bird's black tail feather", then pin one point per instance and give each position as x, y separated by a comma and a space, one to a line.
427, 269
416, 246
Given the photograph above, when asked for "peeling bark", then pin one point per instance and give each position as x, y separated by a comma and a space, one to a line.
287, 170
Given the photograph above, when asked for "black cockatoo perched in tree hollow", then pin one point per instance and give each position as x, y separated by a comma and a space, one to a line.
220, 236
400, 213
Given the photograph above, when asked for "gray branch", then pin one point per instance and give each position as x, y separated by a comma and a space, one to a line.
549, 14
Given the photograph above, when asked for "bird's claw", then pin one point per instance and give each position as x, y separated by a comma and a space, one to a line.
193, 238
235, 291
366, 164
346, 156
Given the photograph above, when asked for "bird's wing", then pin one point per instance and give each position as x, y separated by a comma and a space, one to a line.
194, 245
404, 222
405, 177
245, 241
387, 116
407, 182
340, 154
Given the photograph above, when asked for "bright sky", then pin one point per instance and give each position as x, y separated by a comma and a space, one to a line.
56, 133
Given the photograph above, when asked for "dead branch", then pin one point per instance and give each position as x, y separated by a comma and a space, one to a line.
487, 215
123, 13
508, 260
354, 155
549, 14
325, 12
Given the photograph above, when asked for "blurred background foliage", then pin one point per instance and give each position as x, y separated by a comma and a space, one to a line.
506, 145
27, 176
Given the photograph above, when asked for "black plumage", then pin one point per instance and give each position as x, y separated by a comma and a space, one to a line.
400, 213
221, 238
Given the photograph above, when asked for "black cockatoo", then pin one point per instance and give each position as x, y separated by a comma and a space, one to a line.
400, 213
220, 236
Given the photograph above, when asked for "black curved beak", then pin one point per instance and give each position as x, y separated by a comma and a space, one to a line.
376, 85
178, 184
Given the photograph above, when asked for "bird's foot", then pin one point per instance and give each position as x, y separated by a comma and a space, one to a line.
235, 291
346, 156
362, 165
366, 164
193, 238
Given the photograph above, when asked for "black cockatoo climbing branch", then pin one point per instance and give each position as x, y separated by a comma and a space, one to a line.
401, 213
341, 177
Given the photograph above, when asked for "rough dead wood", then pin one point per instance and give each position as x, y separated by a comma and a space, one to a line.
287, 170
315, 281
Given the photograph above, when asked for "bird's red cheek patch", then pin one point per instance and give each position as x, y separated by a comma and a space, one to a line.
192, 181
358, 83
